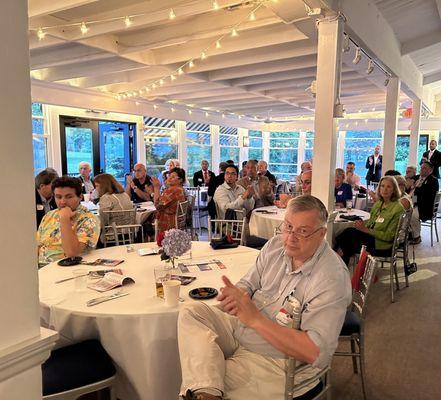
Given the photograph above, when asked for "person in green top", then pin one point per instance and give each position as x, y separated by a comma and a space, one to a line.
379, 231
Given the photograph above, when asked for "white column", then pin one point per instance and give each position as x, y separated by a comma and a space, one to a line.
330, 33
266, 145
181, 140
22, 345
215, 149
301, 151
415, 132
390, 124
340, 158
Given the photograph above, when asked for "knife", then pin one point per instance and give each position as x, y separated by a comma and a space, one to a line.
102, 299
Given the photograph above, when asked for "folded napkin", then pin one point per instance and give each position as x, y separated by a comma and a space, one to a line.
226, 242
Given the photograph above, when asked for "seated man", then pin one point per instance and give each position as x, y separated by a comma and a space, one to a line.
231, 196
306, 184
263, 192
343, 191
425, 190
140, 187
239, 350
262, 169
69, 230
44, 198
351, 177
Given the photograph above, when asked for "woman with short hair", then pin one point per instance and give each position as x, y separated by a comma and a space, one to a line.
378, 232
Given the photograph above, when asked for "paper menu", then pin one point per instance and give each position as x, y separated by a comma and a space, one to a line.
200, 266
110, 281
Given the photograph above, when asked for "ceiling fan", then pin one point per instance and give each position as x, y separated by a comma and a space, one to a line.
269, 120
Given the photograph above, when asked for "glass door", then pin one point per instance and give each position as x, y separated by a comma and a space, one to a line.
107, 145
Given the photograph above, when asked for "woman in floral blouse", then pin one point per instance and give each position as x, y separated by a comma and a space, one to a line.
167, 203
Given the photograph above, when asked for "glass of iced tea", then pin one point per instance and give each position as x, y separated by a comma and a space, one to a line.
162, 274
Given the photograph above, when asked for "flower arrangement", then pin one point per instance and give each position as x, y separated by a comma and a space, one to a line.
174, 244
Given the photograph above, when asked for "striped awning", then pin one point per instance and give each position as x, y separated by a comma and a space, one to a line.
197, 127
227, 130
159, 122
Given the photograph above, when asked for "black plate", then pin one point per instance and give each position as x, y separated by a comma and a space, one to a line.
70, 261
203, 293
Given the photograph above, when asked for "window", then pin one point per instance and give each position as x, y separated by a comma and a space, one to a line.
39, 138
255, 151
229, 144
359, 145
283, 154
198, 139
402, 151
309, 146
160, 143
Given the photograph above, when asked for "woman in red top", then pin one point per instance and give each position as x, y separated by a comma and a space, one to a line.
167, 203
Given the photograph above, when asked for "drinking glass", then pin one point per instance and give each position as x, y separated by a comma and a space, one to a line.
349, 205
162, 274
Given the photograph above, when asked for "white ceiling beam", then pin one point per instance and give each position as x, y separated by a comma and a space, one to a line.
431, 78
41, 7
421, 42
288, 64
272, 77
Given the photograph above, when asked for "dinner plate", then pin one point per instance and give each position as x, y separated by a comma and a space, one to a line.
203, 293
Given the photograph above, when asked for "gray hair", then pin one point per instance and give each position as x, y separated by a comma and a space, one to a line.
84, 164
307, 202
45, 177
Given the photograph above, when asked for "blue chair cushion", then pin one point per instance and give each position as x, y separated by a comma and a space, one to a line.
351, 324
75, 366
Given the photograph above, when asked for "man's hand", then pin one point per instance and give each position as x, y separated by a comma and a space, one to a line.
66, 214
236, 301
129, 180
156, 182
249, 192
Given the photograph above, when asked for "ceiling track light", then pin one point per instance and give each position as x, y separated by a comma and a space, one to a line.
370, 67
357, 57
83, 28
386, 81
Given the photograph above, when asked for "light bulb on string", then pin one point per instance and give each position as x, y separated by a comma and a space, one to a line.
153, 85
252, 16
155, 106
127, 21
172, 109
171, 14
180, 71
83, 28
218, 44
190, 112
203, 55
40, 34
161, 82
172, 77
206, 114
234, 33
215, 5
191, 64
223, 115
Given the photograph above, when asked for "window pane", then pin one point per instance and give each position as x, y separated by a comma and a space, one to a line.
255, 154
255, 142
78, 148
195, 154
40, 161
37, 109
284, 143
358, 147
158, 154
230, 153
114, 135
309, 146
277, 156
37, 126
198, 138
402, 153
227, 140
257, 134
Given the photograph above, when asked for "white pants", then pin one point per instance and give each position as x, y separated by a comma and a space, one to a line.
211, 357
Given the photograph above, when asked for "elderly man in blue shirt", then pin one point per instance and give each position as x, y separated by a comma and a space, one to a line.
343, 191
238, 349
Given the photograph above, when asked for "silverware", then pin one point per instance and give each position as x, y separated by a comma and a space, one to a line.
99, 300
69, 279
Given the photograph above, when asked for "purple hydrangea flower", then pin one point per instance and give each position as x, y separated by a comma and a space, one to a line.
176, 242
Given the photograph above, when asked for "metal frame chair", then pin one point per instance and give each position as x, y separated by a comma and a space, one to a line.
432, 221
222, 227
199, 211
74, 394
323, 375
180, 217
113, 220
353, 327
126, 234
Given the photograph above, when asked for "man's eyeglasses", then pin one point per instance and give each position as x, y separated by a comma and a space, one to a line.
302, 233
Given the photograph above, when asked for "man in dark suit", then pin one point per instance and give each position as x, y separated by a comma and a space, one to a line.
44, 198
434, 156
374, 164
426, 188
214, 184
203, 176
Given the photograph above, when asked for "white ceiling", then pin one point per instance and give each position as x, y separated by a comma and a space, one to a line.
266, 70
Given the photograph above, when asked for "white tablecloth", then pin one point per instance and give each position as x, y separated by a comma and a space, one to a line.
138, 330
263, 224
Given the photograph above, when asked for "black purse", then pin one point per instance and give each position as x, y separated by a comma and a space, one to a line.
412, 267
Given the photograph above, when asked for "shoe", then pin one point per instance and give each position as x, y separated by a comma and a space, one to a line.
416, 240
189, 395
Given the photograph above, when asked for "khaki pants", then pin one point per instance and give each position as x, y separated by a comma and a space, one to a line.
211, 357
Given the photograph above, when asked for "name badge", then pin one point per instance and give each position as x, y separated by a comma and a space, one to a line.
340, 193
283, 318
379, 220
40, 207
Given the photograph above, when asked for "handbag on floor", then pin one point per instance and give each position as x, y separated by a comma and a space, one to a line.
411, 268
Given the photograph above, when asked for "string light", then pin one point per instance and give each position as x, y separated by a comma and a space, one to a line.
223, 115
191, 64
161, 82
171, 14
154, 86
40, 34
180, 71
203, 55
83, 28
172, 109
252, 16
215, 5
206, 114
128, 22
190, 112
155, 107
172, 77
218, 44
234, 33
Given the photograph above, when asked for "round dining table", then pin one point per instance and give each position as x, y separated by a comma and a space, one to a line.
265, 220
138, 331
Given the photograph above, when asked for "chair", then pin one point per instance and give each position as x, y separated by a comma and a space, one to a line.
221, 227
353, 326
432, 221
113, 220
399, 239
318, 392
199, 210
126, 234
180, 217
73, 371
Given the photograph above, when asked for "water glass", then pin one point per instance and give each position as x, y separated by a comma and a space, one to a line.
349, 205
162, 275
